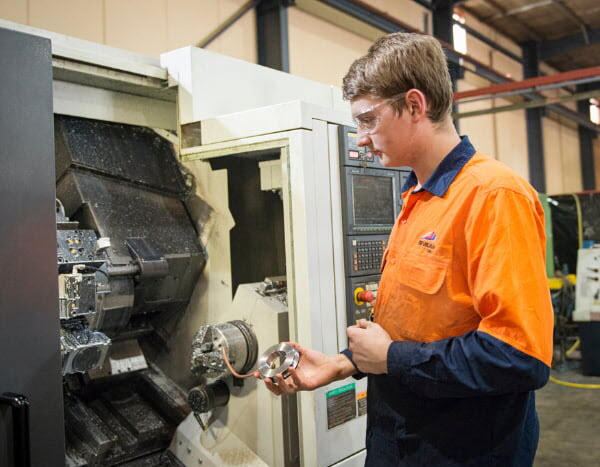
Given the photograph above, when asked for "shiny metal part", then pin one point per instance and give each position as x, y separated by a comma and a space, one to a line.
82, 350
275, 287
76, 293
102, 244
277, 360
240, 345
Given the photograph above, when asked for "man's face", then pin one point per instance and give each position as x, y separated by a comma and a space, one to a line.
387, 134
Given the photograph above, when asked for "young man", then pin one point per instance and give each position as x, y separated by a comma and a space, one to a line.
462, 332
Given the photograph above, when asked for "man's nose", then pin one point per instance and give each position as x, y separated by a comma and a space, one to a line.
363, 139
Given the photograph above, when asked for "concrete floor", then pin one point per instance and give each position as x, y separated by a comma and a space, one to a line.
569, 422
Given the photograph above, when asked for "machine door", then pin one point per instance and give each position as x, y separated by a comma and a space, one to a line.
31, 404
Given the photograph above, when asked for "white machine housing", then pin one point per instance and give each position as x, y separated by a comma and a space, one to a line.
306, 172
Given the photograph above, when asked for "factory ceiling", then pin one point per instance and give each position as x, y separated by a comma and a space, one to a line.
568, 31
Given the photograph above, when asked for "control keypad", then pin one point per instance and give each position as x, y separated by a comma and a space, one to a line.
367, 254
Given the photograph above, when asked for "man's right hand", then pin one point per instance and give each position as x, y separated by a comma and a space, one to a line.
314, 370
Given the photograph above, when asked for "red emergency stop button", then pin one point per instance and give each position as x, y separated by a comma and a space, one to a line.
365, 296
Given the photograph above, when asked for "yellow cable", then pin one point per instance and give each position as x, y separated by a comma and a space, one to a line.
573, 348
575, 385
579, 221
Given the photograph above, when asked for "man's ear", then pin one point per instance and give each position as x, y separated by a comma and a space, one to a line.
416, 104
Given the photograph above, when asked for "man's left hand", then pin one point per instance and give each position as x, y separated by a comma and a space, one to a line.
369, 345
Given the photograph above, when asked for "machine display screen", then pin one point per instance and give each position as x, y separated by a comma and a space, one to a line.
373, 199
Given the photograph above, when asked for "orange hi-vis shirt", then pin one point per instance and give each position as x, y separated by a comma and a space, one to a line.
471, 259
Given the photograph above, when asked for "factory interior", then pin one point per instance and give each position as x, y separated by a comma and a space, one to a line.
197, 168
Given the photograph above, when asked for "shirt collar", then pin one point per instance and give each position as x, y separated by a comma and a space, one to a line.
438, 182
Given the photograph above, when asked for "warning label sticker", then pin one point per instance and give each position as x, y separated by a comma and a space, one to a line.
361, 400
341, 405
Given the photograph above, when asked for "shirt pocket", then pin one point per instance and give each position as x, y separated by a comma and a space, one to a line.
422, 273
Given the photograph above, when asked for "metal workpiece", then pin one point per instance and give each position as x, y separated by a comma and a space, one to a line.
278, 359
239, 341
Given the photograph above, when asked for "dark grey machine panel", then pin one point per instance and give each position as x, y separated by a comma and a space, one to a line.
371, 198
30, 360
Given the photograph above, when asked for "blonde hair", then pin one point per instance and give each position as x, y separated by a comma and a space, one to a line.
399, 62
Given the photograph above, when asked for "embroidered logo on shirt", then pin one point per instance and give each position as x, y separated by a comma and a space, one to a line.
427, 241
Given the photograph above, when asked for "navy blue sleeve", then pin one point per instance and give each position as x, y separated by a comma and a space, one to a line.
472, 364
359, 374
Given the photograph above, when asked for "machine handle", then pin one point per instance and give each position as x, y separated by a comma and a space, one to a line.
20, 417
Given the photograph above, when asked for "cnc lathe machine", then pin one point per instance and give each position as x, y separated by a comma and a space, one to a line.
170, 212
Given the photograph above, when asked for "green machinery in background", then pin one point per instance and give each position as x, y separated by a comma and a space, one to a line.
549, 237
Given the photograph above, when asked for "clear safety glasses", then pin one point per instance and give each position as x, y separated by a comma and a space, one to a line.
366, 122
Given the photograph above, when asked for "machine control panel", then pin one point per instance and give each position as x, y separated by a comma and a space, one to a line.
352, 154
366, 253
371, 198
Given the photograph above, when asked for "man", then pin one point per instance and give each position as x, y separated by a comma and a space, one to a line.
462, 331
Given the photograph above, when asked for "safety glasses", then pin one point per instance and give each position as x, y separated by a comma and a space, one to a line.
366, 122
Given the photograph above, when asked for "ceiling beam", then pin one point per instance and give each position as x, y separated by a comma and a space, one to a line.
565, 9
531, 104
574, 18
566, 44
516, 11
532, 84
361, 12
526, 29
365, 13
